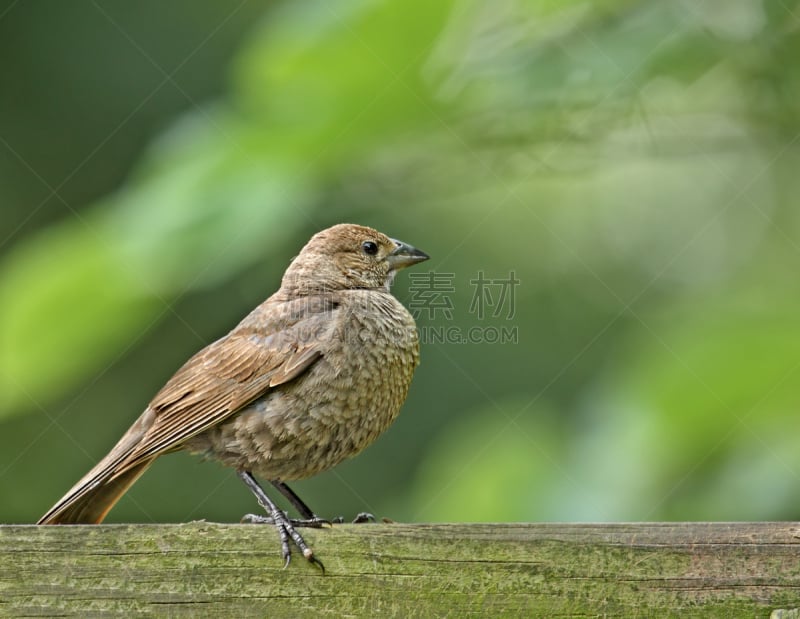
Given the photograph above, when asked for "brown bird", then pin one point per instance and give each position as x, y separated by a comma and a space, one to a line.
310, 377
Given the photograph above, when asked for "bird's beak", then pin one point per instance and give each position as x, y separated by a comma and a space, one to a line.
405, 255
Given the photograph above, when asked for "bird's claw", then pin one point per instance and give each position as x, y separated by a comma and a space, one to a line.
256, 519
360, 518
286, 531
311, 523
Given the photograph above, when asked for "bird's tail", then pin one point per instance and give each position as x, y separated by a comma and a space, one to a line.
92, 497
95, 494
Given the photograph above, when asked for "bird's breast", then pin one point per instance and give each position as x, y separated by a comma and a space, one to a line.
369, 366
341, 404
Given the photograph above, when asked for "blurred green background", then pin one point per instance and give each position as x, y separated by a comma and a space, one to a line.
634, 164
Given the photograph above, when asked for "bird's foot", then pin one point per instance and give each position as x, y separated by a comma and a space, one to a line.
280, 521
360, 518
286, 530
312, 523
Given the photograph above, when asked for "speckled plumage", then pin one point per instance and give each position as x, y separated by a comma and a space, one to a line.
369, 349
310, 377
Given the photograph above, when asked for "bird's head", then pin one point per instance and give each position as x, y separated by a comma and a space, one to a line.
346, 257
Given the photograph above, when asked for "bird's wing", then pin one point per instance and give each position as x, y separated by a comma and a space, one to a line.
255, 357
222, 379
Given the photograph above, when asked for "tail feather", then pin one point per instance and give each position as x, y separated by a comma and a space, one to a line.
89, 501
95, 494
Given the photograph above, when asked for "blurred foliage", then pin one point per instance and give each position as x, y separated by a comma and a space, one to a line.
632, 163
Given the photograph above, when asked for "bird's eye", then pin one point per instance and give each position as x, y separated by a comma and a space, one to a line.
369, 248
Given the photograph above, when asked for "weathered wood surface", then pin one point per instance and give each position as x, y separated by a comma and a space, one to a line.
384, 570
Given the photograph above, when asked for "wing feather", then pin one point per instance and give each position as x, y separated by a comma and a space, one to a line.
222, 379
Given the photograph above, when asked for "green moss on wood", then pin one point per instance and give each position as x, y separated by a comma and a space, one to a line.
464, 570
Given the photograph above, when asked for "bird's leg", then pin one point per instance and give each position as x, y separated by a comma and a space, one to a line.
279, 519
295, 500
271, 508
310, 519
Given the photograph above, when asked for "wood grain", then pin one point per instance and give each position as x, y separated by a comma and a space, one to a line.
398, 570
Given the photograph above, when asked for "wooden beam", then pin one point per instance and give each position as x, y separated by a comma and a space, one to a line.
380, 570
